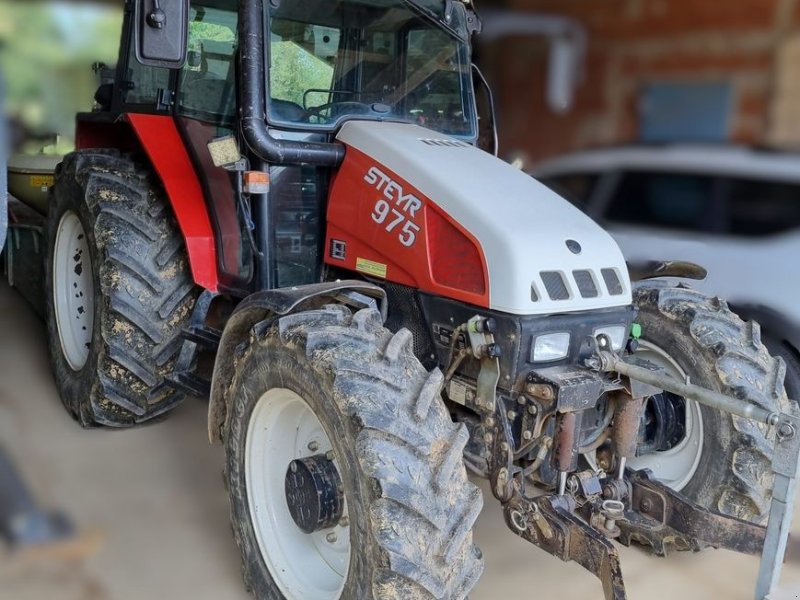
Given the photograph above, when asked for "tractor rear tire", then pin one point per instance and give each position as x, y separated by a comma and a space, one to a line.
381, 419
717, 350
118, 290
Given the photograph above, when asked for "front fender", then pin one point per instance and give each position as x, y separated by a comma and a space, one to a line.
275, 303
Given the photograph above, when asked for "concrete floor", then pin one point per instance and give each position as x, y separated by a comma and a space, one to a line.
155, 494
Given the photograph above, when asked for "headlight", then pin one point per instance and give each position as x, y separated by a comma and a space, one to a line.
550, 347
616, 333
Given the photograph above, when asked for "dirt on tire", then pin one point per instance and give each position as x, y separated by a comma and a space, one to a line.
144, 291
719, 351
412, 507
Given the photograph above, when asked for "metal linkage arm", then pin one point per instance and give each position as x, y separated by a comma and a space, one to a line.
663, 519
659, 378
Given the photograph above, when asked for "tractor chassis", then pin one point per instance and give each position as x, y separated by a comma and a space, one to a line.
580, 521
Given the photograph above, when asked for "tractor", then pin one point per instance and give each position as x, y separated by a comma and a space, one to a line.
281, 205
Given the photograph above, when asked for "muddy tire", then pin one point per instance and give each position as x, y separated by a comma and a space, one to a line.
409, 504
118, 290
792, 360
717, 350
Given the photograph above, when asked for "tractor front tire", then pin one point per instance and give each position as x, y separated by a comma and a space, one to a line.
724, 461
340, 386
118, 290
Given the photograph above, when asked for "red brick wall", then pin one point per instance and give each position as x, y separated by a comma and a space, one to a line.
631, 43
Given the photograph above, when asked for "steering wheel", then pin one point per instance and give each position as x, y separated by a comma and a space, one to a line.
315, 111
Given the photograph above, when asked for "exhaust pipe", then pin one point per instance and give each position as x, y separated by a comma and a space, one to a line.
252, 86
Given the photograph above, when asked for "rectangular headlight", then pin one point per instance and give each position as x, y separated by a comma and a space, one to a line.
550, 347
616, 333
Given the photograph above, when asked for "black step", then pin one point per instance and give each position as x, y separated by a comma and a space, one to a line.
189, 383
207, 337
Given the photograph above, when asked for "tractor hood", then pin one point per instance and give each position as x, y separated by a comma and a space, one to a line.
542, 254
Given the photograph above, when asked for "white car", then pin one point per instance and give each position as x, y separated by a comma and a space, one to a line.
732, 210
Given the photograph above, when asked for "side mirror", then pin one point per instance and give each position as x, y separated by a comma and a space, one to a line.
487, 118
161, 32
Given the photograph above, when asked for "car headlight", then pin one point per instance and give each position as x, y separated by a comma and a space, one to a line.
550, 347
616, 333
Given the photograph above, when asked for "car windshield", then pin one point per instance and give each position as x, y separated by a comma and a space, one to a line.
369, 59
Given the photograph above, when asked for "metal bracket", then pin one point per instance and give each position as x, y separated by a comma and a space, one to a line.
549, 523
664, 519
785, 461
480, 331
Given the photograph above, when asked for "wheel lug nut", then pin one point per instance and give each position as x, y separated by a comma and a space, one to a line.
313, 446
330, 455
344, 521
293, 466
331, 538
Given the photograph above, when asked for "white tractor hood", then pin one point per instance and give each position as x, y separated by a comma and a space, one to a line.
523, 227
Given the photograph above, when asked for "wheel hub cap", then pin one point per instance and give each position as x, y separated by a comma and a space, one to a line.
284, 431
314, 493
674, 453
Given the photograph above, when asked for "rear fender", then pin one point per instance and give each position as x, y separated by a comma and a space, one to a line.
275, 303
158, 138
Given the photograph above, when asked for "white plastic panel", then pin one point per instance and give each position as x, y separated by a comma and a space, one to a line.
523, 227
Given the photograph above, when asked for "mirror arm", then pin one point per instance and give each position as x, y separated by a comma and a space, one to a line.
157, 17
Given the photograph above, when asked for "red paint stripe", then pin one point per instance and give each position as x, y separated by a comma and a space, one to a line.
160, 139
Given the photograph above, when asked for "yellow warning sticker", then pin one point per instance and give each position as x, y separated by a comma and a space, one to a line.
42, 181
371, 267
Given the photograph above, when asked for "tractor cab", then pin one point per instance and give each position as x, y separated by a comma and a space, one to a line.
282, 77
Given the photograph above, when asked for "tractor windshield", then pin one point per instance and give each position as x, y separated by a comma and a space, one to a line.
369, 59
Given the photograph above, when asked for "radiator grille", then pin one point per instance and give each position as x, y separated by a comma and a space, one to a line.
405, 311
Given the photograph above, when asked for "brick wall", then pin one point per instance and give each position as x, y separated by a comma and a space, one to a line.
634, 42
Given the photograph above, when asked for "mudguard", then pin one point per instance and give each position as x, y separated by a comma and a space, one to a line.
274, 303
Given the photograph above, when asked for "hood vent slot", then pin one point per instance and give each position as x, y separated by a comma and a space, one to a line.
613, 283
445, 143
586, 285
555, 285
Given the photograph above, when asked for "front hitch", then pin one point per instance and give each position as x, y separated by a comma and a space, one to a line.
591, 508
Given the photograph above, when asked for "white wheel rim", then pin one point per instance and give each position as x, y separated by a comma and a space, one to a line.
282, 428
674, 467
73, 290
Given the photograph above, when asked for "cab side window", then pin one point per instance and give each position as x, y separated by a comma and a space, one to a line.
207, 83
301, 69
142, 84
